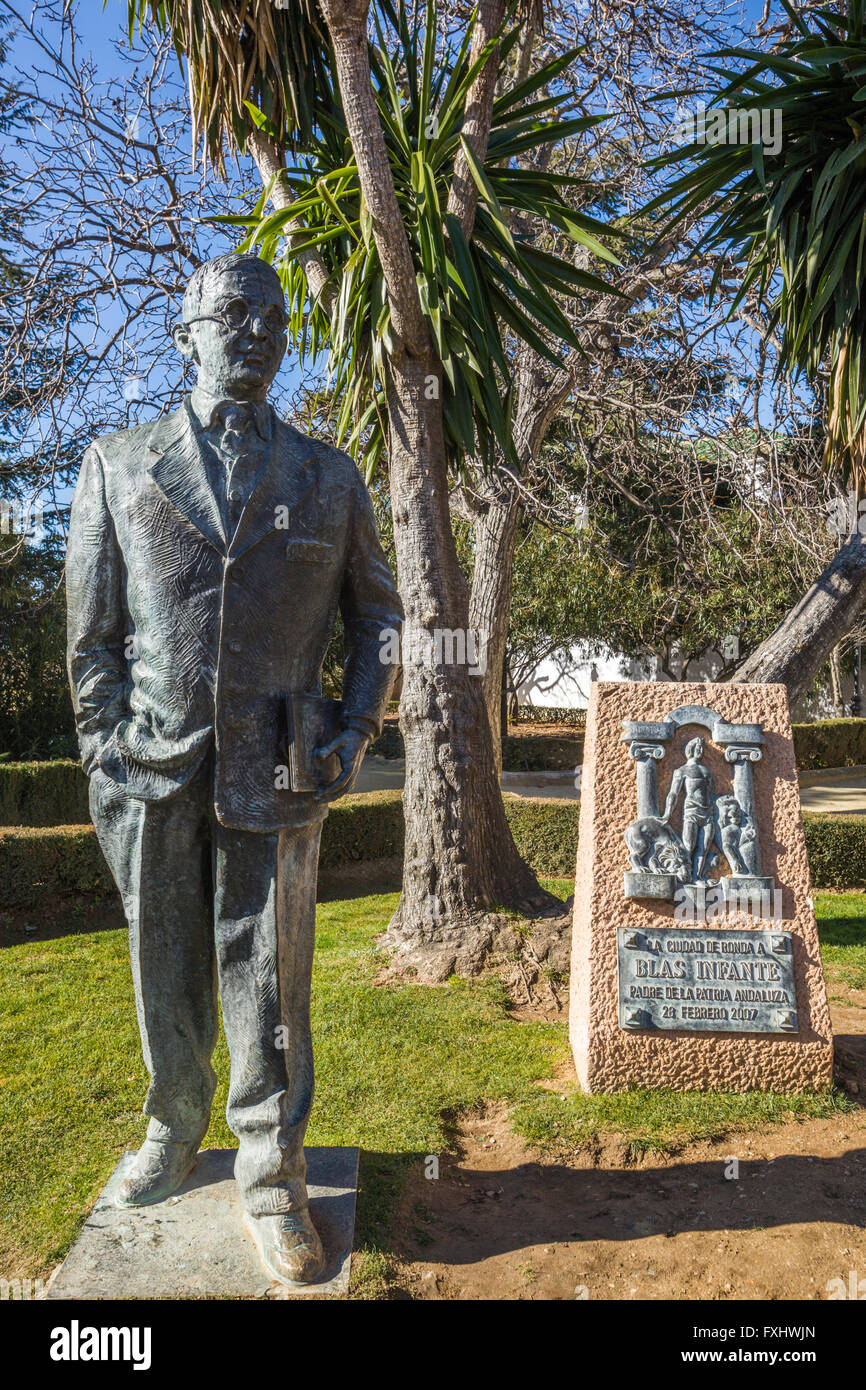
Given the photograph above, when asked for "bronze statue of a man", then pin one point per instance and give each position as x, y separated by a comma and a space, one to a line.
209, 551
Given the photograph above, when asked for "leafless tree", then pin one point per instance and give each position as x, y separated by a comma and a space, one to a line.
111, 217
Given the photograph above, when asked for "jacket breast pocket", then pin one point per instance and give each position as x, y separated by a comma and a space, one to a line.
307, 552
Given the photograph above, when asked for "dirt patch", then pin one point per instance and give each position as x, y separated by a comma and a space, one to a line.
504, 1221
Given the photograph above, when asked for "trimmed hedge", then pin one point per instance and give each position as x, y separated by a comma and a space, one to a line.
50, 793
542, 752
389, 744
546, 835
520, 752
830, 743
550, 714
545, 832
837, 849
55, 793
37, 863
368, 825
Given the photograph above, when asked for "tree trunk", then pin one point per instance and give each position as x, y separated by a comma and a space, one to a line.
503, 701
460, 858
495, 517
806, 636
478, 111
495, 508
836, 681
271, 162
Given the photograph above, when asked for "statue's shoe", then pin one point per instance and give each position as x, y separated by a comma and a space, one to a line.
288, 1244
159, 1169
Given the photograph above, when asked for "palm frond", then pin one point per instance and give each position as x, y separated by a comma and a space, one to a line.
796, 218
244, 51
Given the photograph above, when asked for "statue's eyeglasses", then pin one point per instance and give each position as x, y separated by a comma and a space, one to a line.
238, 316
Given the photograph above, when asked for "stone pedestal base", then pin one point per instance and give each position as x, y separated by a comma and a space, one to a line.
611, 1054
194, 1246
748, 888
639, 885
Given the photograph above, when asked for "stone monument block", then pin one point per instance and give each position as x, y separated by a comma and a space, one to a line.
695, 959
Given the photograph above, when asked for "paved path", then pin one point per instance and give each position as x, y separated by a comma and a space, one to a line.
831, 789
834, 789
381, 774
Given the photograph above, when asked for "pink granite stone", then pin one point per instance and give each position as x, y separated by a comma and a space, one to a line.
610, 1058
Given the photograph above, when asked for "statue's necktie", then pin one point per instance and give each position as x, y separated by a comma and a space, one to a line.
240, 448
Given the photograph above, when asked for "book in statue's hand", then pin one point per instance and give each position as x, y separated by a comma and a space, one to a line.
313, 722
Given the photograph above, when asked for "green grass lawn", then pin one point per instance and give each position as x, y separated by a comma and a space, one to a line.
841, 919
394, 1065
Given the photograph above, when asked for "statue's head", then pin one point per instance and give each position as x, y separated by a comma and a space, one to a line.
694, 749
234, 326
729, 811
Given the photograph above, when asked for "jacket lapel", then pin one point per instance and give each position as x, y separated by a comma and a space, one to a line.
287, 476
179, 471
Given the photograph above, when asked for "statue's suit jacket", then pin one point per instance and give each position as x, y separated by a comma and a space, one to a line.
181, 640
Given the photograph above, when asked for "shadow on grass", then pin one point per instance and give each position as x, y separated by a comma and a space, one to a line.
842, 931
58, 917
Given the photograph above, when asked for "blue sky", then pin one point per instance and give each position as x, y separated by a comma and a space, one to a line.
101, 28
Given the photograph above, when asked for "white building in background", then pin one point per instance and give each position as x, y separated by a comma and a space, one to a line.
563, 681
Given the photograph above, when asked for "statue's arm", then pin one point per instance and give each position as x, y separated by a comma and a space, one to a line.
372, 613
673, 793
96, 628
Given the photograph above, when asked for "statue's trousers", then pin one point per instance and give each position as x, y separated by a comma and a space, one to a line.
212, 907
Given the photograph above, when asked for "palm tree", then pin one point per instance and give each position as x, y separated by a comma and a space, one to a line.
405, 217
495, 301
795, 220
